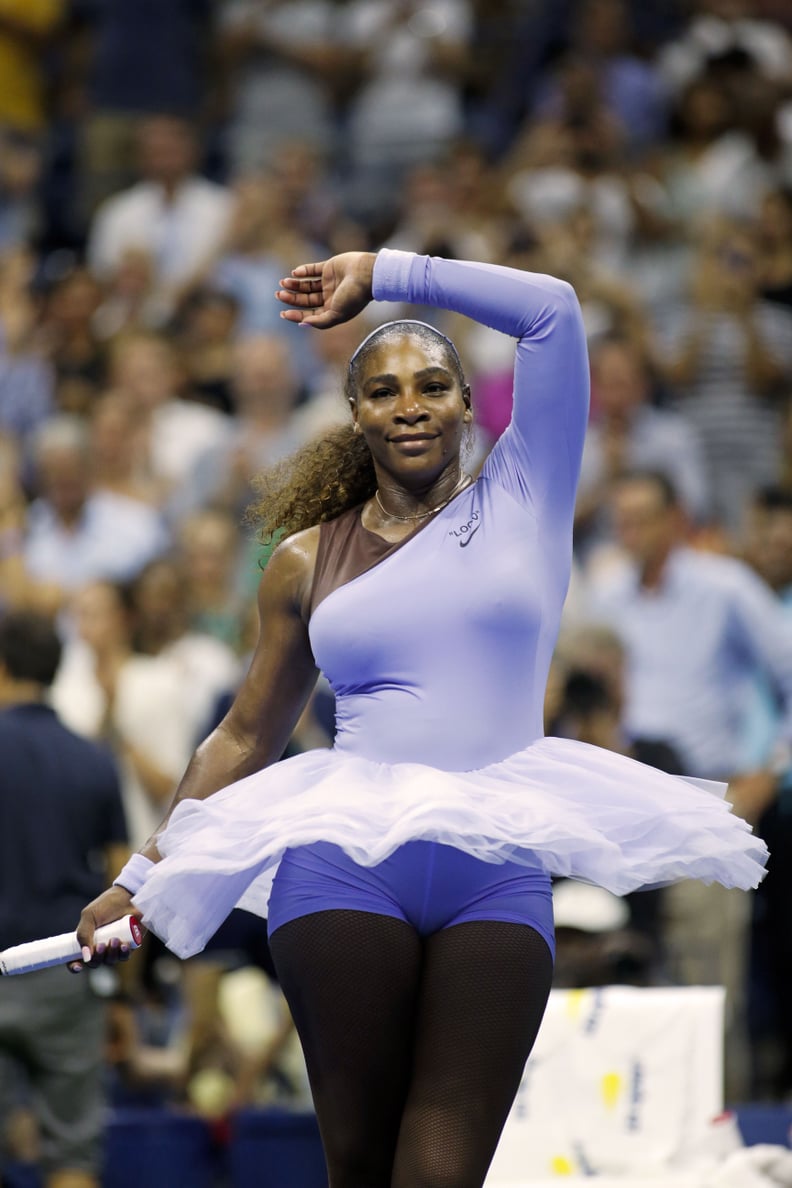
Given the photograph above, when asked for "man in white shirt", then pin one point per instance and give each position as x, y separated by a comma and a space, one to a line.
74, 534
174, 215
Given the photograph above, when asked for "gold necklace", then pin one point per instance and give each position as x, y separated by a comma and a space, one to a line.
421, 515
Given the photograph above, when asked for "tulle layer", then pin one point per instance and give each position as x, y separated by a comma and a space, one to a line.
575, 810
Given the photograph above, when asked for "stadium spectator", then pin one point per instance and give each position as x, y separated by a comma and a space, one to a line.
172, 213
407, 108
727, 356
25, 35
628, 431
74, 533
118, 450
173, 431
265, 392
768, 548
212, 553
20, 177
698, 630
76, 354
62, 831
282, 62
27, 387
774, 247
172, 39
251, 258
134, 703
202, 666
723, 153
205, 334
725, 31
631, 86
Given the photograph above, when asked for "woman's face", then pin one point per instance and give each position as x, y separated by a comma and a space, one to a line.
411, 409
99, 616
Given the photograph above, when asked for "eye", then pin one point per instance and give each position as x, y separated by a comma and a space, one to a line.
378, 393
436, 388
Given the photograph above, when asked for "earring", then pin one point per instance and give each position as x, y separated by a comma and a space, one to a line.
468, 415
355, 427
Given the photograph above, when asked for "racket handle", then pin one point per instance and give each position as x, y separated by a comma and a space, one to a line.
58, 950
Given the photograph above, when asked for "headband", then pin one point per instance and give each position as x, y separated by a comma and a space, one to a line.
406, 322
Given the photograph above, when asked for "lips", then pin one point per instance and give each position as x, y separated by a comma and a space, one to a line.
410, 437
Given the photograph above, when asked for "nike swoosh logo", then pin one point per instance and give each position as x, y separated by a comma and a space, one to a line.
463, 544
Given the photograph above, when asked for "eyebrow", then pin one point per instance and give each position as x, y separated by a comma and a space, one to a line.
424, 373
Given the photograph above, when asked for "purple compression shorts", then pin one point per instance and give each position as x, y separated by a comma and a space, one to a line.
429, 885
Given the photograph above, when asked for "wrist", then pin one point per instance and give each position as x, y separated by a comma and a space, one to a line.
133, 875
391, 274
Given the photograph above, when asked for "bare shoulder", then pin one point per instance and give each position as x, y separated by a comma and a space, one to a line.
290, 570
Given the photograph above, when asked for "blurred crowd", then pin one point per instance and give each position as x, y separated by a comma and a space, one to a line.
162, 165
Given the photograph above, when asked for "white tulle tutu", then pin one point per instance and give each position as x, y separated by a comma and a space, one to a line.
573, 809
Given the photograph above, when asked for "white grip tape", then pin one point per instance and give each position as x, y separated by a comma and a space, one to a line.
57, 950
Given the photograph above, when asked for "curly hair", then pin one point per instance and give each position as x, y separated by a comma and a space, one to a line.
323, 479
336, 472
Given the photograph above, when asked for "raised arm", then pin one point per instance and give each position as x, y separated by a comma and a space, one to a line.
539, 456
551, 380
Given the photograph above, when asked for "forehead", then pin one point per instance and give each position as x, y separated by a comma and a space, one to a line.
404, 353
639, 496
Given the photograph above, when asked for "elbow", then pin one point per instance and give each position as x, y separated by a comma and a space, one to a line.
567, 315
564, 302
559, 312
566, 295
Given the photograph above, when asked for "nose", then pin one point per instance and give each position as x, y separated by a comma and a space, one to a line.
409, 410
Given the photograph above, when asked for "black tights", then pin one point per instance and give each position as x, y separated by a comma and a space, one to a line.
414, 1047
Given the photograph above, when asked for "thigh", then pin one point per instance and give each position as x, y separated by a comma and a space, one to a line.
351, 981
483, 994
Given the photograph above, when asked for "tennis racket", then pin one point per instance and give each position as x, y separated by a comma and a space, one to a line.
58, 950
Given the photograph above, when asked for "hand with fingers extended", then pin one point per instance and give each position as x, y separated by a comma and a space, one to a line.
329, 292
111, 905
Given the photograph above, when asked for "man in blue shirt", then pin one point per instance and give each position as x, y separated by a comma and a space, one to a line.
699, 629
62, 832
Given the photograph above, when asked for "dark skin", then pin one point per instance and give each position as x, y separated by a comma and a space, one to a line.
412, 410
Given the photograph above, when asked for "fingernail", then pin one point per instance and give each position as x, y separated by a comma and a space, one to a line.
100, 948
86, 953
